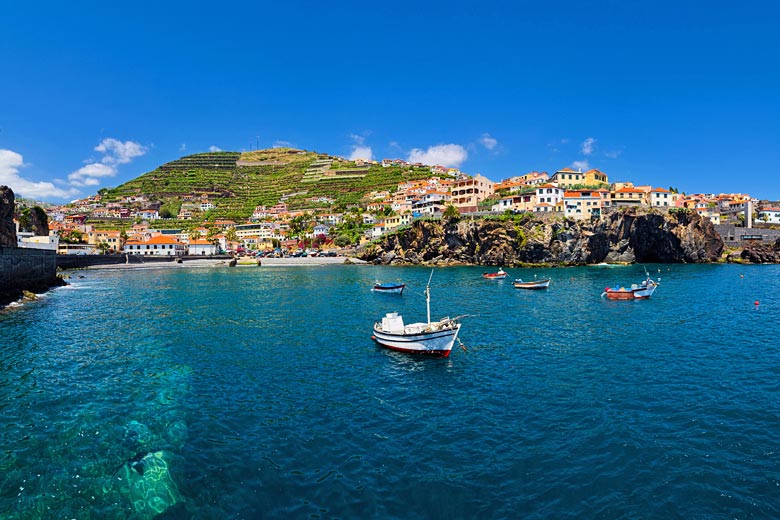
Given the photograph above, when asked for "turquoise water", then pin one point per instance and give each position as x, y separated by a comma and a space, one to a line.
258, 393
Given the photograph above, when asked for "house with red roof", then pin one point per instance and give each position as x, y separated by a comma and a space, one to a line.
548, 198
160, 245
585, 204
627, 197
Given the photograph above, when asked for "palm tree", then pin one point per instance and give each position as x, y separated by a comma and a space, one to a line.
451, 213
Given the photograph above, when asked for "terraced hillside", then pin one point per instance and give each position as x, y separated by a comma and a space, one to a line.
235, 183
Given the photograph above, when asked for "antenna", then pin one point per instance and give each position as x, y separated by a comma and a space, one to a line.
428, 297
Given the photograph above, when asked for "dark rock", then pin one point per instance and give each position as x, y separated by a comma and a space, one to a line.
622, 236
761, 254
7, 226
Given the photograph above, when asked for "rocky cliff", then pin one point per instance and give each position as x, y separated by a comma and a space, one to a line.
7, 226
622, 236
758, 254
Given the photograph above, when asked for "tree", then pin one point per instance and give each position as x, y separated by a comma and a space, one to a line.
451, 213
193, 234
231, 235
103, 247
72, 237
297, 226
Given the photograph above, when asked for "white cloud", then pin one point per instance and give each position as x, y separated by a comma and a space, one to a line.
359, 148
614, 154
213, 148
88, 175
10, 163
117, 152
588, 145
452, 155
488, 141
183, 147
283, 144
361, 152
583, 165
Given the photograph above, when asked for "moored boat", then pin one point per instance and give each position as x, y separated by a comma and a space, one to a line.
635, 292
434, 338
544, 283
389, 288
495, 276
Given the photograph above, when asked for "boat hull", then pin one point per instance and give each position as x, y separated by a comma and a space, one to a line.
389, 289
437, 343
494, 276
639, 293
537, 284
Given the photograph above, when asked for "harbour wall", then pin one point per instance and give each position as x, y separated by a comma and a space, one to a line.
23, 269
84, 261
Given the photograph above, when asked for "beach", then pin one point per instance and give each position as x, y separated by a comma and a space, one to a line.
241, 262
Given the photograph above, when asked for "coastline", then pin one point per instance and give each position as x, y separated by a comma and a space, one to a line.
241, 262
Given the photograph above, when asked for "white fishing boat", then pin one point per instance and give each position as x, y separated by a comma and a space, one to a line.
534, 284
434, 338
637, 291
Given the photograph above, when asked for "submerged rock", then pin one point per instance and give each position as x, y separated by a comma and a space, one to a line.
147, 483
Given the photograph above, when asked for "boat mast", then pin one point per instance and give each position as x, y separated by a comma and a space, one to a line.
428, 296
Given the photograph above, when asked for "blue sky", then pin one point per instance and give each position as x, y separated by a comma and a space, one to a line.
683, 94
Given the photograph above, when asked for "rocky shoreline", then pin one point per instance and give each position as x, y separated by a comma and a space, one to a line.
625, 236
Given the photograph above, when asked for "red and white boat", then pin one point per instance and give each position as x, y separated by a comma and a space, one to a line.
635, 292
495, 276
434, 338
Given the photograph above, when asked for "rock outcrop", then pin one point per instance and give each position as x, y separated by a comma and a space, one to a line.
34, 220
623, 236
7, 226
760, 254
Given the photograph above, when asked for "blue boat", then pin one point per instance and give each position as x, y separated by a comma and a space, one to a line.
389, 288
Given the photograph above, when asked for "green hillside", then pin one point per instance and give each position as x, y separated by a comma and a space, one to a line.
238, 182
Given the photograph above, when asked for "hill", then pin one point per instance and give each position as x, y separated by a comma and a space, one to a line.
235, 183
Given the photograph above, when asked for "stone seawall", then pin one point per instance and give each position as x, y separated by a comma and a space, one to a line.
22, 269
85, 261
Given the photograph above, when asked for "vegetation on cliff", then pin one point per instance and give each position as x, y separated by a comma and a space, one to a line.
533, 239
235, 183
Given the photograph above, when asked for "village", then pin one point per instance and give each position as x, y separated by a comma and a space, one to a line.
573, 194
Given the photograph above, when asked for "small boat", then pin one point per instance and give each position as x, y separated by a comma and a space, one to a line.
389, 288
635, 292
434, 338
495, 276
544, 283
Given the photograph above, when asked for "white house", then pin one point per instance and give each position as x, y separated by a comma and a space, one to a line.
769, 215
156, 246
201, 247
547, 197
661, 198
149, 214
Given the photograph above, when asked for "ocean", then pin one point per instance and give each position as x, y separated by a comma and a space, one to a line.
258, 393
